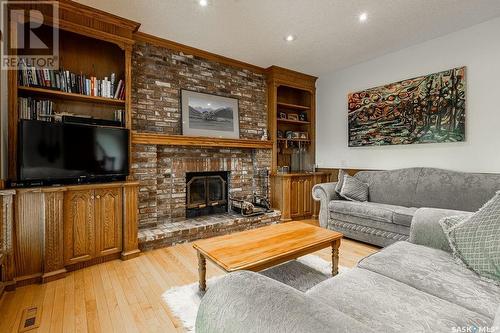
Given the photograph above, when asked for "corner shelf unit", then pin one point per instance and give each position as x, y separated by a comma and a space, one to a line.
291, 94
92, 43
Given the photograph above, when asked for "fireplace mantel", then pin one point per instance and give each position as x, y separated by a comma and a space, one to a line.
198, 141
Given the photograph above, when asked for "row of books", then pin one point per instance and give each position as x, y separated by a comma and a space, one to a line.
64, 80
35, 109
119, 115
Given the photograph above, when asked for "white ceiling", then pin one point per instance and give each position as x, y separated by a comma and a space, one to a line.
329, 35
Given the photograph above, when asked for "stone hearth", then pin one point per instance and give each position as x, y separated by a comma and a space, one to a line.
171, 233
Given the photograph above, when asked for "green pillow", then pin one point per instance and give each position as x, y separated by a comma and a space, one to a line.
476, 240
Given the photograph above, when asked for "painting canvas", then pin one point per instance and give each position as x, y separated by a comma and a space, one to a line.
426, 109
209, 115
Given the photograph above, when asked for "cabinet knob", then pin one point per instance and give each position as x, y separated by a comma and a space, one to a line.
92, 197
98, 196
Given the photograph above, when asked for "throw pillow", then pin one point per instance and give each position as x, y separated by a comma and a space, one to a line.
340, 181
354, 190
475, 241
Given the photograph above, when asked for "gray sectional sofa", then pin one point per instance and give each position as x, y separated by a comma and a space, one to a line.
395, 196
410, 286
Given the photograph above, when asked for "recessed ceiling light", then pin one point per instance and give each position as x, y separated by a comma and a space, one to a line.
290, 38
203, 3
363, 17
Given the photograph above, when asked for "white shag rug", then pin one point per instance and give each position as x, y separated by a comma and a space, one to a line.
301, 274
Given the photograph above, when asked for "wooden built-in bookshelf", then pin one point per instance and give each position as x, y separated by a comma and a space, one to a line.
291, 98
91, 44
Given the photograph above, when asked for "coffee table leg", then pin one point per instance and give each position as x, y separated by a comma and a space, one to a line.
335, 257
202, 272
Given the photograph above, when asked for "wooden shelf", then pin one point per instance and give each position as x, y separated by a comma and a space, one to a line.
294, 140
293, 106
49, 93
297, 122
197, 141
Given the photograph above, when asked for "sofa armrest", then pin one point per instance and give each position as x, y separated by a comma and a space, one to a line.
249, 302
324, 193
426, 230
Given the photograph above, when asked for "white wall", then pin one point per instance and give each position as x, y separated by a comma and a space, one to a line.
477, 47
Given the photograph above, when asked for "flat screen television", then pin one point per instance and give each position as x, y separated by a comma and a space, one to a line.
71, 153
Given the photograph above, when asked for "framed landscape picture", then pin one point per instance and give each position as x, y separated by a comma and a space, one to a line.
425, 109
209, 115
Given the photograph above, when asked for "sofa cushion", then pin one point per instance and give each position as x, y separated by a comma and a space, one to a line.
374, 211
354, 190
476, 240
403, 215
394, 187
496, 322
454, 190
435, 272
387, 305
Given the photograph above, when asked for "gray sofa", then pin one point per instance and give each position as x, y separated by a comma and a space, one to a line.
410, 286
395, 196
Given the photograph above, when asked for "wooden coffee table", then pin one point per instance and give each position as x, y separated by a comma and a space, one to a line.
261, 248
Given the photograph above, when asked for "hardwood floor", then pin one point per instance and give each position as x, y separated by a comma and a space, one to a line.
125, 296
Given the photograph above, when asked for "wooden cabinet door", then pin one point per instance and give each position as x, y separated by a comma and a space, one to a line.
108, 221
295, 200
79, 230
307, 186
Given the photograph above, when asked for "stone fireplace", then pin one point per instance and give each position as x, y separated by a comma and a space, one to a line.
206, 193
163, 170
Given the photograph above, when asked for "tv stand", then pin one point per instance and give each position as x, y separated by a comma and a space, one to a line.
64, 228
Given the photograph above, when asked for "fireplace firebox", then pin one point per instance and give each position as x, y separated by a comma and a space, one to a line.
206, 193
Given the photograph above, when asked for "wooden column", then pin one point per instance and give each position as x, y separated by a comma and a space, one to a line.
6, 241
53, 259
130, 230
29, 231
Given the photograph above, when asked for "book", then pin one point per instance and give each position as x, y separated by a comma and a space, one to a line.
67, 81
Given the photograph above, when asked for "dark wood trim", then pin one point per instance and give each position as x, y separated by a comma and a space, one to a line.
80, 9
333, 173
158, 41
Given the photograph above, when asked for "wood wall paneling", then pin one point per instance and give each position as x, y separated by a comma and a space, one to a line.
333, 173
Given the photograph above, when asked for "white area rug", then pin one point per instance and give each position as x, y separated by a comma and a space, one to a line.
301, 274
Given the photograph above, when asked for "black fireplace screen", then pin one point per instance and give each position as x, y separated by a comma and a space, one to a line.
206, 193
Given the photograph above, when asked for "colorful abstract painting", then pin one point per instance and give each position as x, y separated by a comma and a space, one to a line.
426, 109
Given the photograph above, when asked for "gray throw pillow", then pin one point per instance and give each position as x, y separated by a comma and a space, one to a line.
340, 180
354, 190
476, 240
